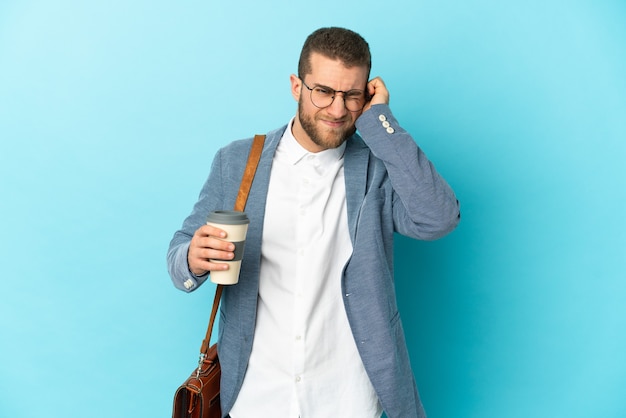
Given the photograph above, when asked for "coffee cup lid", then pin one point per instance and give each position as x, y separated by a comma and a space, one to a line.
228, 217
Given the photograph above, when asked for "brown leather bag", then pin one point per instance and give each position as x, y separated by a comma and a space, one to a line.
199, 396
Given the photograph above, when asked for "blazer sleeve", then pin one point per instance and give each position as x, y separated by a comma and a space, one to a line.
211, 196
424, 205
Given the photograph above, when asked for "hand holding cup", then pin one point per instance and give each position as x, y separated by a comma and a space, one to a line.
235, 224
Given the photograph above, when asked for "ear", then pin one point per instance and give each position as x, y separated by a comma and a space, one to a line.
296, 86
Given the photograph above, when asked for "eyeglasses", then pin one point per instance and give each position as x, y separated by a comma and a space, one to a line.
322, 96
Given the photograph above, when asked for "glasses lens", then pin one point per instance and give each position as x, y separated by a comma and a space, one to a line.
321, 97
354, 100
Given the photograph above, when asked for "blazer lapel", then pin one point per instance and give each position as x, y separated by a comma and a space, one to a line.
355, 170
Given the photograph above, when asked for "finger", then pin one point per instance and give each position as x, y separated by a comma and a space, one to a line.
210, 230
213, 266
215, 243
371, 88
213, 253
202, 267
213, 260
378, 91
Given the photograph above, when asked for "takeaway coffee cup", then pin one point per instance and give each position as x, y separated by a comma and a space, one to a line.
236, 226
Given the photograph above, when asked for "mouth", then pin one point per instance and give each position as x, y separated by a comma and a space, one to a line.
334, 124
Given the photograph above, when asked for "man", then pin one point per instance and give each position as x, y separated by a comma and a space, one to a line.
312, 328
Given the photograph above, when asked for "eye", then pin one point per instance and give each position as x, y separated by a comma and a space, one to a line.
323, 91
355, 95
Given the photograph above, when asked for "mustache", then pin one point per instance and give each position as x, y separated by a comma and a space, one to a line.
331, 119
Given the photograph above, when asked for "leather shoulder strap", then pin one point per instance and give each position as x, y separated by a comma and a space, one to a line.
240, 204
248, 174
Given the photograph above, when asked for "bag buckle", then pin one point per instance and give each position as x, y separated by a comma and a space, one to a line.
200, 362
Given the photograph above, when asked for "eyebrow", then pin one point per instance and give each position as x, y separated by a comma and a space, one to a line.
341, 91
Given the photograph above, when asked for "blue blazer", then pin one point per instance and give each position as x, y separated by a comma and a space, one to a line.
390, 187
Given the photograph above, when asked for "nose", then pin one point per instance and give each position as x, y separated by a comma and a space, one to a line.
338, 107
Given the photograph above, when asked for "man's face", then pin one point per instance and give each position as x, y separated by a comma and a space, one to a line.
319, 129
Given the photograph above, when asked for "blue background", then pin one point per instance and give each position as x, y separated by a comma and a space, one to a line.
111, 112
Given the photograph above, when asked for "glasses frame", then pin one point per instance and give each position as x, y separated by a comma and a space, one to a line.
334, 94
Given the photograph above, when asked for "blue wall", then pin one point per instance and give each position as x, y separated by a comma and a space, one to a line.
110, 113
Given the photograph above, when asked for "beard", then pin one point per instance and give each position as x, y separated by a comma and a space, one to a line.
325, 138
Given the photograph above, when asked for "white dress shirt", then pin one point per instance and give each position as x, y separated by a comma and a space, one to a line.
304, 361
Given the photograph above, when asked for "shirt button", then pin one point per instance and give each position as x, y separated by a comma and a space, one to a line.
390, 130
298, 337
386, 124
382, 118
298, 379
